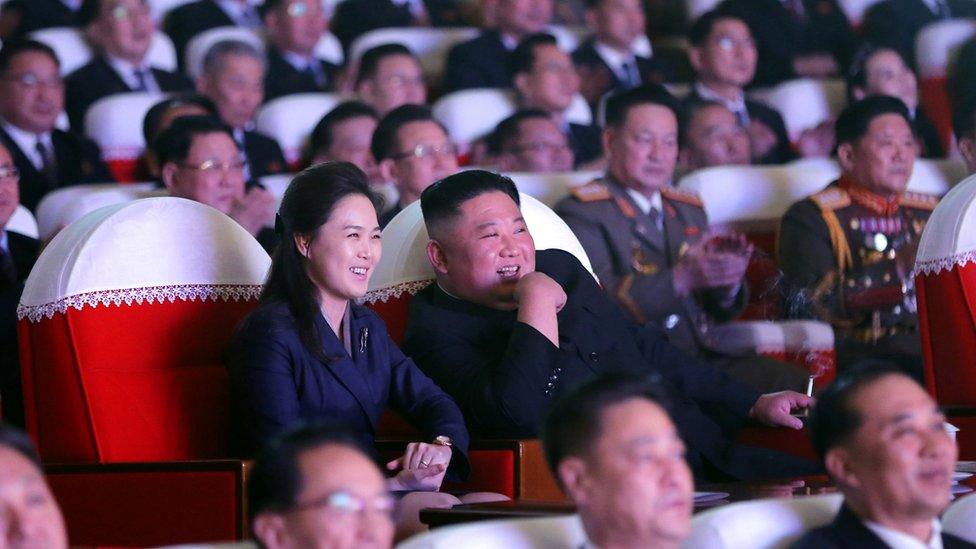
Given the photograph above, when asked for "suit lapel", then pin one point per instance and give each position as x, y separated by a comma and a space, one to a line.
854, 532
24, 165
345, 369
113, 77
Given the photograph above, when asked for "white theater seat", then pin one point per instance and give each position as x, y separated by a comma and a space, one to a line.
936, 176
22, 221
550, 188
290, 119
960, 518
430, 45
805, 102
329, 49
761, 524
471, 114
61, 206
560, 532
199, 45
115, 124
73, 50
855, 9
937, 44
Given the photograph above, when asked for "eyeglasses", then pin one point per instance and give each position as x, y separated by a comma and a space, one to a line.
121, 13
299, 9
30, 80
212, 166
427, 151
540, 147
343, 503
9, 173
402, 80
727, 43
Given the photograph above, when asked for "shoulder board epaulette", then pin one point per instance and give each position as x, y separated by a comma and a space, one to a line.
681, 195
591, 192
831, 198
919, 201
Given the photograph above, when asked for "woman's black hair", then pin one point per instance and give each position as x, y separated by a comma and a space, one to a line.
308, 204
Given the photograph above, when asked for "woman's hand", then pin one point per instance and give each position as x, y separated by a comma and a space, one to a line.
422, 467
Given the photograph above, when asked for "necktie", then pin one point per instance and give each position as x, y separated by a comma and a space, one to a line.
8, 271
142, 84
632, 78
49, 170
742, 117
942, 9
314, 70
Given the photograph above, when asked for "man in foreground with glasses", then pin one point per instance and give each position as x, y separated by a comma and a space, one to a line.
31, 99
413, 150
315, 487
529, 141
200, 161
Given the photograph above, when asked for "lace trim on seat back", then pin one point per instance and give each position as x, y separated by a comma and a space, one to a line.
395, 291
935, 266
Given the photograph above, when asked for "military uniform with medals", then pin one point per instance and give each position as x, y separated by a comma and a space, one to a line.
633, 254
847, 256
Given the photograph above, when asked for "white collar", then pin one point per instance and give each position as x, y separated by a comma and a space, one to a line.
235, 7
125, 68
644, 203
300, 62
507, 41
900, 540
613, 57
736, 105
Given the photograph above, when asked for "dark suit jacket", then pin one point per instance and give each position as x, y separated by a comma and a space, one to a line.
78, 161
276, 382
97, 79
481, 62
585, 142
264, 156
32, 15
769, 116
282, 78
23, 252
651, 70
355, 17
388, 215
895, 23
779, 38
847, 531
189, 20
928, 135
503, 373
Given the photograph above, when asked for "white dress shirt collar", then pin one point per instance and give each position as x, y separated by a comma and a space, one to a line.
27, 142
644, 203
900, 540
127, 70
300, 62
737, 106
614, 58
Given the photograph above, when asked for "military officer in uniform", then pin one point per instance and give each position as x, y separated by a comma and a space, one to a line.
847, 251
650, 244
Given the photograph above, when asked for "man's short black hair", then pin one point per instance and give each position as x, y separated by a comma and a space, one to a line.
321, 137
150, 124
964, 118
575, 420
690, 109
505, 133
853, 122
834, 420
522, 58
702, 28
18, 441
369, 63
619, 104
385, 142
173, 145
276, 480
442, 200
17, 46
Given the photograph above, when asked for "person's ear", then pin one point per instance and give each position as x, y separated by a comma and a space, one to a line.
606, 137
838, 463
695, 58
521, 84
202, 84
302, 243
365, 91
388, 171
967, 148
858, 93
573, 479
269, 529
506, 162
168, 175
436, 256
845, 156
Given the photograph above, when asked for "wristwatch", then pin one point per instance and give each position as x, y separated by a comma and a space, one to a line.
442, 440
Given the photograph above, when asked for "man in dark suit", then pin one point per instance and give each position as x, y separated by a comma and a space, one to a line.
294, 28
883, 441
895, 23
233, 78
606, 61
483, 61
353, 18
19, 17
122, 30
189, 20
506, 328
31, 99
17, 255
544, 79
529, 141
723, 55
796, 38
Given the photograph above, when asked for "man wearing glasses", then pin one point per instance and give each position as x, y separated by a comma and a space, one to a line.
122, 30
529, 141
390, 76
315, 487
294, 28
199, 160
413, 150
31, 99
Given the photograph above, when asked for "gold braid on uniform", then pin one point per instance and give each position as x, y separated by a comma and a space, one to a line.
838, 240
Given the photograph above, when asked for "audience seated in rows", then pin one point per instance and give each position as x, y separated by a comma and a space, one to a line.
17, 255
330, 244
482, 62
530, 141
160, 116
294, 27
233, 78
186, 21
19, 17
506, 328
353, 18
122, 31
544, 78
618, 457
343, 135
712, 136
847, 252
413, 150
199, 160
884, 443
28, 511
31, 99
389, 76
882, 71
895, 23
650, 244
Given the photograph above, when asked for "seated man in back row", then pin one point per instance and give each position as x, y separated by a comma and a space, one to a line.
505, 329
